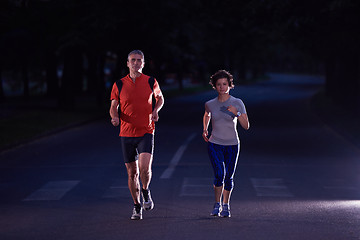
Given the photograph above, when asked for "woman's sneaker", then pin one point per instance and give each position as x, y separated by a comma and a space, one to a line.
148, 203
216, 210
137, 212
225, 211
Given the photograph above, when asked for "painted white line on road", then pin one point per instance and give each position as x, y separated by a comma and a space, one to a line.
118, 189
197, 187
117, 192
176, 159
53, 190
340, 185
270, 187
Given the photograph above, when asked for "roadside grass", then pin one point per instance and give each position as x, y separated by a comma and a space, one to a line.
26, 121
22, 126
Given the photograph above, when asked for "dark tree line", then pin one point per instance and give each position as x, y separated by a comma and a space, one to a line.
179, 36
330, 32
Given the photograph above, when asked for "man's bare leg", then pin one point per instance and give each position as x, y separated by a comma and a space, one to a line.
145, 163
133, 181
134, 187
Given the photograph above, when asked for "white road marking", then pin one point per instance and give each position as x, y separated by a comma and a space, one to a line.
270, 187
176, 159
53, 190
118, 189
340, 185
117, 192
197, 187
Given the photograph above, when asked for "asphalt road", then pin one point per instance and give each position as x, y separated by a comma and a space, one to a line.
296, 177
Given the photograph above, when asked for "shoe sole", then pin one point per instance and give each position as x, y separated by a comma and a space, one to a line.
136, 218
148, 208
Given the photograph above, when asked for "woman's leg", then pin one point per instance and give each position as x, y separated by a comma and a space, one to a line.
217, 162
230, 160
218, 193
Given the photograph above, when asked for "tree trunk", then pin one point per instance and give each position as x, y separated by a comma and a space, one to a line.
92, 73
343, 79
52, 80
2, 94
72, 79
25, 77
96, 84
100, 83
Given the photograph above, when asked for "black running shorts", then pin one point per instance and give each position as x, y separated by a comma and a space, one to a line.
132, 146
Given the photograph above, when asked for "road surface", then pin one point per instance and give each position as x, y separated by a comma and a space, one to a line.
296, 177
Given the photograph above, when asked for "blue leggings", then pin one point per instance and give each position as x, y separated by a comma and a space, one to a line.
224, 161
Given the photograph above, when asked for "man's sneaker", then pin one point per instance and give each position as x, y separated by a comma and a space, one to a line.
137, 212
225, 211
216, 210
148, 203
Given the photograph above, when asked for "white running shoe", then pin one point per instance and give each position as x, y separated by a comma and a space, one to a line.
137, 213
148, 203
216, 211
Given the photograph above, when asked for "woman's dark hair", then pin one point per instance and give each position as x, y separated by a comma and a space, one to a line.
222, 74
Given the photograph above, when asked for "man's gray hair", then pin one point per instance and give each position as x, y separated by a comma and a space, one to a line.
137, 52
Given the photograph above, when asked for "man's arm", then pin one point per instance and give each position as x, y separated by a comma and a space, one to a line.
114, 113
158, 105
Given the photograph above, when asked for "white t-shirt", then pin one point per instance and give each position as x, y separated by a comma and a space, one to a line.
223, 121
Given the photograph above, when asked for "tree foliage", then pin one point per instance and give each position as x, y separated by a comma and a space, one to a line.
179, 36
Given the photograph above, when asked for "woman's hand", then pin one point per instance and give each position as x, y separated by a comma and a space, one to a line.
205, 135
232, 109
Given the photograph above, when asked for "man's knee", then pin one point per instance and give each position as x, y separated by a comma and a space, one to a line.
133, 175
145, 171
132, 171
145, 161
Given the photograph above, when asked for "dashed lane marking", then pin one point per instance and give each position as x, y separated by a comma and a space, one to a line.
270, 187
119, 189
53, 190
197, 187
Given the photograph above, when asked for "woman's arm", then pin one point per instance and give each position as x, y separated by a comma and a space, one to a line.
244, 121
243, 118
206, 121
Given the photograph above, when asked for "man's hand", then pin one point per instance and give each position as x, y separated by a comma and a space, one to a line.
155, 116
115, 121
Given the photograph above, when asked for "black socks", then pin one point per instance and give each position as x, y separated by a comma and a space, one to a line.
145, 194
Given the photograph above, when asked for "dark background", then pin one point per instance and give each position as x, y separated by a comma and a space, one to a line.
65, 48
298, 66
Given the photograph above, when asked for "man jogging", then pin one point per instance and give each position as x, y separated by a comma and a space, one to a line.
132, 95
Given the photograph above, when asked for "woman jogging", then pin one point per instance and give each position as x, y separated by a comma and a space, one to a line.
224, 111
